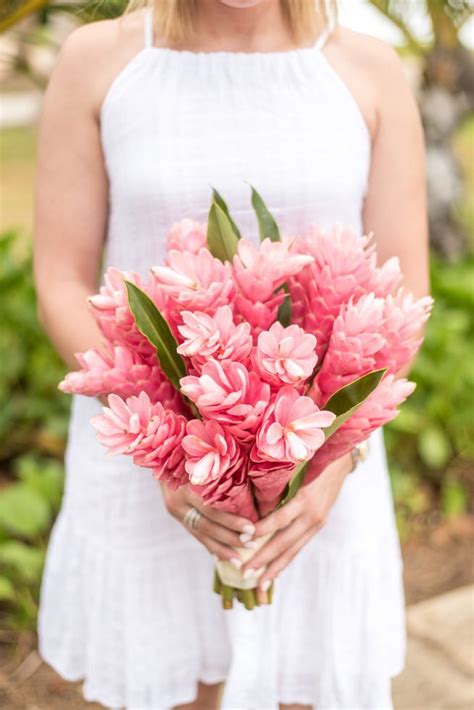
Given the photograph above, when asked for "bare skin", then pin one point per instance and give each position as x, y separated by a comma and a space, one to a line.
71, 216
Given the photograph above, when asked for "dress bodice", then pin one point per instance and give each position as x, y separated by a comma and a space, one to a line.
174, 123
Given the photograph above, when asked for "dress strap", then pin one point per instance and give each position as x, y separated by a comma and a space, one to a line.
328, 30
148, 26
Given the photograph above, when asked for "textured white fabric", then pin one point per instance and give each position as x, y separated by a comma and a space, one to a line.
126, 598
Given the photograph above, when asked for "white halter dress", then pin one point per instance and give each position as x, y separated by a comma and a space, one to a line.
126, 598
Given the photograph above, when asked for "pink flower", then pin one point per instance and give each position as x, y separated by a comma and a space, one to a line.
285, 355
214, 336
187, 236
260, 316
211, 451
292, 429
269, 479
150, 433
344, 268
119, 370
112, 313
387, 277
355, 341
231, 493
380, 407
258, 271
404, 318
227, 392
195, 282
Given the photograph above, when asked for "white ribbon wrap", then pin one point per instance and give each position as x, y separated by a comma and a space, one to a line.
233, 577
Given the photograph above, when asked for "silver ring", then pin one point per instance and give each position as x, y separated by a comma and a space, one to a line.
192, 518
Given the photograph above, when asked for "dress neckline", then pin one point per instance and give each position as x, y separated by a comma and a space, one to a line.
316, 47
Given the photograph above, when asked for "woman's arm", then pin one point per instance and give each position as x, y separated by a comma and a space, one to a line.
71, 202
395, 209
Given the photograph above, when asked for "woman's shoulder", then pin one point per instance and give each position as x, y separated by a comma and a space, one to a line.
93, 53
374, 71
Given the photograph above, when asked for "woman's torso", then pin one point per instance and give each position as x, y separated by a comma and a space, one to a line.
175, 123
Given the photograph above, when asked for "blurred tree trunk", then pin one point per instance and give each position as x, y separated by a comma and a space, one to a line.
446, 96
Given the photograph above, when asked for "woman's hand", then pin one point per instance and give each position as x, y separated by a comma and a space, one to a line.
219, 532
296, 523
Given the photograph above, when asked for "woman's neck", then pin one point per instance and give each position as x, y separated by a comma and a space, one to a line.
262, 28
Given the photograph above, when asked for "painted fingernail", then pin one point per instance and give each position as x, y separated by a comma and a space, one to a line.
245, 537
236, 562
249, 573
251, 545
265, 586
249, 529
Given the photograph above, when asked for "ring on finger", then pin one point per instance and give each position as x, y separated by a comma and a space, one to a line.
192, 518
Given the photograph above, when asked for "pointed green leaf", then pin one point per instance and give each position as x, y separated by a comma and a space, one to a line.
221, 239
151, 323
346, 401
284, 311
266, 223
295, 484
223, 205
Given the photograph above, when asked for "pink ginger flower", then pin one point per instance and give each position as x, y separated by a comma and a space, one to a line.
292, 429
258, 271
148, 432
195, 282
260, 316
211, 451
187, 236
379, 408
344, 267
120, 371
386, 278
214, 336
227, 392
269, 479
285, 355
231, 493
355, 341
404, 318
112, 313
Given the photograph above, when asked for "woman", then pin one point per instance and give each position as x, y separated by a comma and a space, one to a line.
141, 115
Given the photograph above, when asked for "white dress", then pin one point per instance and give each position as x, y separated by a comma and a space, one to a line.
126, 598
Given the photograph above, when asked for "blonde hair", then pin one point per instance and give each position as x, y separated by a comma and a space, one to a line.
174, 18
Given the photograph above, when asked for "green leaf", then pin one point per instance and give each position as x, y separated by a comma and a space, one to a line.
346, 401
222, 241
7, 590
223, 205
434, 447
151, 323
284, 311
266, 223
25, 560
23, 511
295, 483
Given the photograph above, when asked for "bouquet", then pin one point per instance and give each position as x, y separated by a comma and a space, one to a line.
242, 370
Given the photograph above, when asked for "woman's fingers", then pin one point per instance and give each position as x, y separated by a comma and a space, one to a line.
223, 552
228, 520
279, 519
281, 541
218, 532
280, 562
